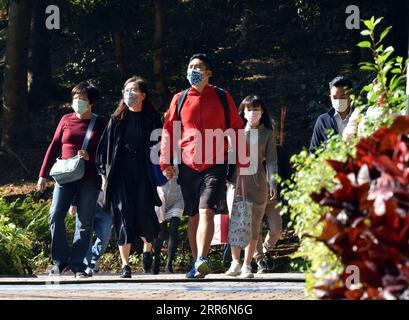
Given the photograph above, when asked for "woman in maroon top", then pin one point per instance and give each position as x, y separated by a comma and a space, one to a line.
67, 142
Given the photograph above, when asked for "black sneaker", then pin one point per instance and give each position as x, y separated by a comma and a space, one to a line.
147, 262
126, 272
262, 267
156, 264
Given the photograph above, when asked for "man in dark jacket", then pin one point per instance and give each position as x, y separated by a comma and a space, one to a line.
337, 118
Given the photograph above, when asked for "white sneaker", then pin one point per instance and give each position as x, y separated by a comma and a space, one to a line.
234, 269
89, 272
246, 272
95, 269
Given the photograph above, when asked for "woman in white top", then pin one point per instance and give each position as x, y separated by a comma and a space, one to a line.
169, 215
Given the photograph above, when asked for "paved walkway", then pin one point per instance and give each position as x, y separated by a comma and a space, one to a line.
273, 286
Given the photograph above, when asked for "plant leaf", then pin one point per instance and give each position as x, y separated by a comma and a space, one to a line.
364, 44
377, 21
385, 33
366, 32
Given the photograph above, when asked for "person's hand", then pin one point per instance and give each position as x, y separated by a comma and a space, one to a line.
41, 184
83, 154
72, 210
169, 172
273, 193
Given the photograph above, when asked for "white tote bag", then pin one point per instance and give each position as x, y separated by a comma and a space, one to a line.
240, 218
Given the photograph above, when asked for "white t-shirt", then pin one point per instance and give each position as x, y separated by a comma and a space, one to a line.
341, 123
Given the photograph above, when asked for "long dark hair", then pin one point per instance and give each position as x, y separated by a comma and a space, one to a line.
254, 100
148, 110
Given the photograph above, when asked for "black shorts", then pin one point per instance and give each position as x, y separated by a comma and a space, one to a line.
202, 190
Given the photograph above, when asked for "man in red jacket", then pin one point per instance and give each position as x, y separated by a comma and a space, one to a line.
203, 167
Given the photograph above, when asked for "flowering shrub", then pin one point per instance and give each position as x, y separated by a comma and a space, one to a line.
368, 225
378, 105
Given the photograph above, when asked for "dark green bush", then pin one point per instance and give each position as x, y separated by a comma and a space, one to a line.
26, 222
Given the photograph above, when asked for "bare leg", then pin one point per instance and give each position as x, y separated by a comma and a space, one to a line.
193, 224
235, 252
258, 252
205, 231
249, 251
275, 226
147, 246
124, 252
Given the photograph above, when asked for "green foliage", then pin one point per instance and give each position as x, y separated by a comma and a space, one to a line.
215, 259
15, 249
31, 218
25, 240
184, 260
388, 90
308, 12
111, 261
299, 265
88, 5
313, 173
41, 262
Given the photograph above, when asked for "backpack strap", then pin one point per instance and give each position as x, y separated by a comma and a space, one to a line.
223, 99
180, 102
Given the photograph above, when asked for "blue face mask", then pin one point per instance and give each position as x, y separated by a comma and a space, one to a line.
194, 77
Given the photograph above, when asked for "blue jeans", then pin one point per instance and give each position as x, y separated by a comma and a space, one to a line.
102, 228
85, 192
227, 254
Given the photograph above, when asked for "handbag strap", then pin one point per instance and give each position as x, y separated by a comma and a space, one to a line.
240, 187
89, 131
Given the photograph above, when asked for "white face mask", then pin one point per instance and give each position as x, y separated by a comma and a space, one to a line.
131, 98
253, 117
80, 106
340, 105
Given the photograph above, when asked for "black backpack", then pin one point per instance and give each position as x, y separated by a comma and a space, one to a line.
223, 99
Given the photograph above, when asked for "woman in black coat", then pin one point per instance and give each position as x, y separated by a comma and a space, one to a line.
123, 160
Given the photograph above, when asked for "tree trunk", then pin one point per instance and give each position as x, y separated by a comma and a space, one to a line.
39, 73
118, 53
161, 87
15, 75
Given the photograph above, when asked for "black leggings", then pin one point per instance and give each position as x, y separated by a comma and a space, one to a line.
174, 223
